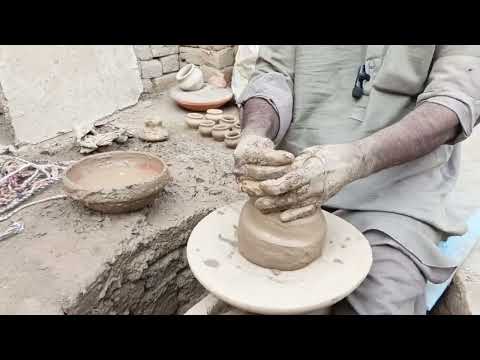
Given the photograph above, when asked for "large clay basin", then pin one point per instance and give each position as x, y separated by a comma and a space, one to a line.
116, 182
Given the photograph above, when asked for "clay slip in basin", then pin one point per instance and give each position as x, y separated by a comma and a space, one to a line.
116, 182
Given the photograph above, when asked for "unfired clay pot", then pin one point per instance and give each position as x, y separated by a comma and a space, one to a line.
268, 242
228, 120
219, 131
193, 120
153, 131
214, 114
116, 182
190, 78
206, 127
237, 126
232, 138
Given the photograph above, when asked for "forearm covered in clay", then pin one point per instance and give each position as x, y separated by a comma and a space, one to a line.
418, 134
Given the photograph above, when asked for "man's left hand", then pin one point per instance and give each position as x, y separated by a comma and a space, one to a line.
316, 175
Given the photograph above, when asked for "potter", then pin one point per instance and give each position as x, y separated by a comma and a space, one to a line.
367, 132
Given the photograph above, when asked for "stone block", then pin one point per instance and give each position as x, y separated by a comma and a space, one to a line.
219, 59
147, 85
164, 50
213, 47
170, 63
192, 55
165, 82
50, 88
143, 52
151, 69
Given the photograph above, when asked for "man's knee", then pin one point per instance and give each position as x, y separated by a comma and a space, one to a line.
394, 285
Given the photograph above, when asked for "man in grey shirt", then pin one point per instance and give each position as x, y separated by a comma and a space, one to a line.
371, 132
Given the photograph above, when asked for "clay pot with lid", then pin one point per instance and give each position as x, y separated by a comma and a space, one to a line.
265, 240
228, 120
193, 120
214, 114
219, 131
190, 78
206, 127
232, 138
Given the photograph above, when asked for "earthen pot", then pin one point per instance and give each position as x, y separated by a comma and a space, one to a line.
116, 182
153, 131
219, 131
237, 126
265, 240
193, 120
214, 114
190, 78
206, 127
232, 138
228, 120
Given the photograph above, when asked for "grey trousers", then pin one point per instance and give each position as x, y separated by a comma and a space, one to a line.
395, 285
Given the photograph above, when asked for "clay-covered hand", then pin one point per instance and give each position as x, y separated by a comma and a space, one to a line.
315, 176
256, 160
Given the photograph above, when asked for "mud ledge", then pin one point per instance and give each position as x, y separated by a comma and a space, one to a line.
71, 260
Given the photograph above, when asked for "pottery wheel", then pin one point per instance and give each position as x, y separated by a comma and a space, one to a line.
208, 97
213, 257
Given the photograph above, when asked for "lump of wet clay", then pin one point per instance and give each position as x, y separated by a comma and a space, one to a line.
153, 131
265, 240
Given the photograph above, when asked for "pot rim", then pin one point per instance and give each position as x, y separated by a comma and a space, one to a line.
185, 71
208, 123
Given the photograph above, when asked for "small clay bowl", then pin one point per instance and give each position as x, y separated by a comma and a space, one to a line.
116, 182
193, 120
232, 138
214, 114
206, 127
219, 131
237, 126
228, 120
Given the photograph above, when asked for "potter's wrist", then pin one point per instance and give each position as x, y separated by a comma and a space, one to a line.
362, 160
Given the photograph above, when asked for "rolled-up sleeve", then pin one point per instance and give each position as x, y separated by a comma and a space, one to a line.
454, 82
273, 80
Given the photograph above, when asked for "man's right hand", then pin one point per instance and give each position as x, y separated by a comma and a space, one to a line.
257, 160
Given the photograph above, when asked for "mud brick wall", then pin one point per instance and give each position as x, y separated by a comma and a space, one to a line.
160, 63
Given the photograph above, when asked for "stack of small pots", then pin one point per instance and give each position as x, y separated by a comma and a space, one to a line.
216, 124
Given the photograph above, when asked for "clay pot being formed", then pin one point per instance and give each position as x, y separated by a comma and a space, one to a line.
193, 120
265, 240
214, 114
219, 131
232, 138
190, 78
228, 120
206, 127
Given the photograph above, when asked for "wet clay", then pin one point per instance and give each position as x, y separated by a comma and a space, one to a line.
270, 243
116, 182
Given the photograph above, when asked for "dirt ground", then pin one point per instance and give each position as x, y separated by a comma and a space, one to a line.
73, 260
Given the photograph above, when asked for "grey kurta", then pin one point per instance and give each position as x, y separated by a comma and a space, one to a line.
310, 87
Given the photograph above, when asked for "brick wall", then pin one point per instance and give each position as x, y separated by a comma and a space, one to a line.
160, 63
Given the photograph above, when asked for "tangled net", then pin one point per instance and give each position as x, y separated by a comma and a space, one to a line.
20, 179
